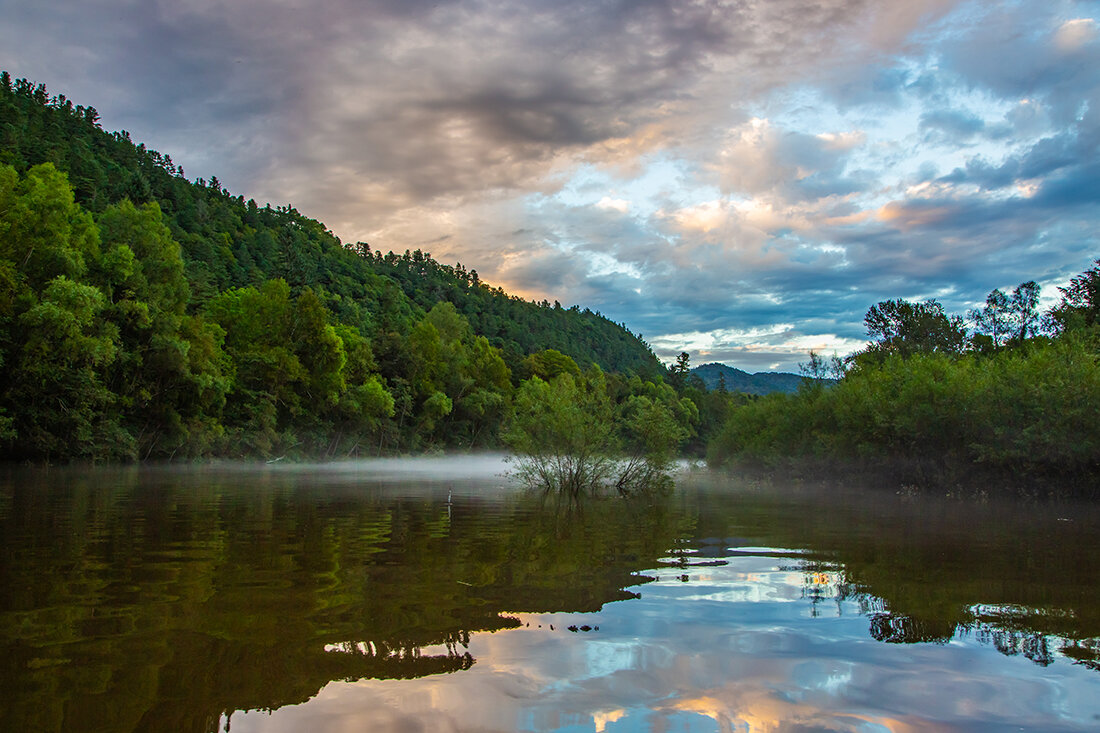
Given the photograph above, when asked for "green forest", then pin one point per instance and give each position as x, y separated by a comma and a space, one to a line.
1005, 398
145, 316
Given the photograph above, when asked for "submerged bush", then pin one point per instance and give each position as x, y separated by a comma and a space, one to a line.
569, 436
562, 433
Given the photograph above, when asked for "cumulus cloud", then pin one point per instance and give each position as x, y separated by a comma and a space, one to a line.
758, 159
1074, 34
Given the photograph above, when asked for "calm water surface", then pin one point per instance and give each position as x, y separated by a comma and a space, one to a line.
434, 595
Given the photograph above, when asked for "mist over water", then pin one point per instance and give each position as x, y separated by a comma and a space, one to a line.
455, 467
481, 473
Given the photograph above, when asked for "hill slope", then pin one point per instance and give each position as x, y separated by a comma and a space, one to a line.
145, 315
229, 242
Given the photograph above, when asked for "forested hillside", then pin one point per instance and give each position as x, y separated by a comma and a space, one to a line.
146, 315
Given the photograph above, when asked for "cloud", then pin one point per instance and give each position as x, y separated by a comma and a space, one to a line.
954, 125
1015, 55
759, 159
1073, 35
703, 167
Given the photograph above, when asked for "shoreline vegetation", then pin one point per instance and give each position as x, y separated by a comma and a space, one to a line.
1010, 406
148, 317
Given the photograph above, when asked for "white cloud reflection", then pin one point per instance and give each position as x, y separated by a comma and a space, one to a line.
741, 646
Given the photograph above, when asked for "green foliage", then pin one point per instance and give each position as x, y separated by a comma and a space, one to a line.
291, 380
549, 363
515, 326
1080, 306
904, 328
678, 372
572, 437
713, 408
563, 432
653, 434
1007, 319
56, 346
167, 397
820, 372
1025, 414
459, 384
1009, 405
212, 325
42, 230
57, 393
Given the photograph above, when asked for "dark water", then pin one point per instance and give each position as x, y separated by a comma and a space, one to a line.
433, 595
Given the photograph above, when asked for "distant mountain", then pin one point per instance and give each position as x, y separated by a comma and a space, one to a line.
737, 380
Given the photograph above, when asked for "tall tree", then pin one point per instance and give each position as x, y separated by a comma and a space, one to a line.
1024, 308
905, 328
1080, 306
56, 392
678, 372
1008, 319
992, 319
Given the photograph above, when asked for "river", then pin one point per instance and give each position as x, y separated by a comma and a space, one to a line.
435, 594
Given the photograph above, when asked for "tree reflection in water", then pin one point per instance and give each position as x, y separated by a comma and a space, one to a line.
142, 600
1018, 575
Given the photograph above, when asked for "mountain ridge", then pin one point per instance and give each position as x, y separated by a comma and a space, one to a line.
715, 374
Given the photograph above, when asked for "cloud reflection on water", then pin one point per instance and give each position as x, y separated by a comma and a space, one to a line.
754, 645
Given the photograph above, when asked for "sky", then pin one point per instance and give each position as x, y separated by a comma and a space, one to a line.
738, 179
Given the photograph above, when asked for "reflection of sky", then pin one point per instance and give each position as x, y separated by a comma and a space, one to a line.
736, 647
